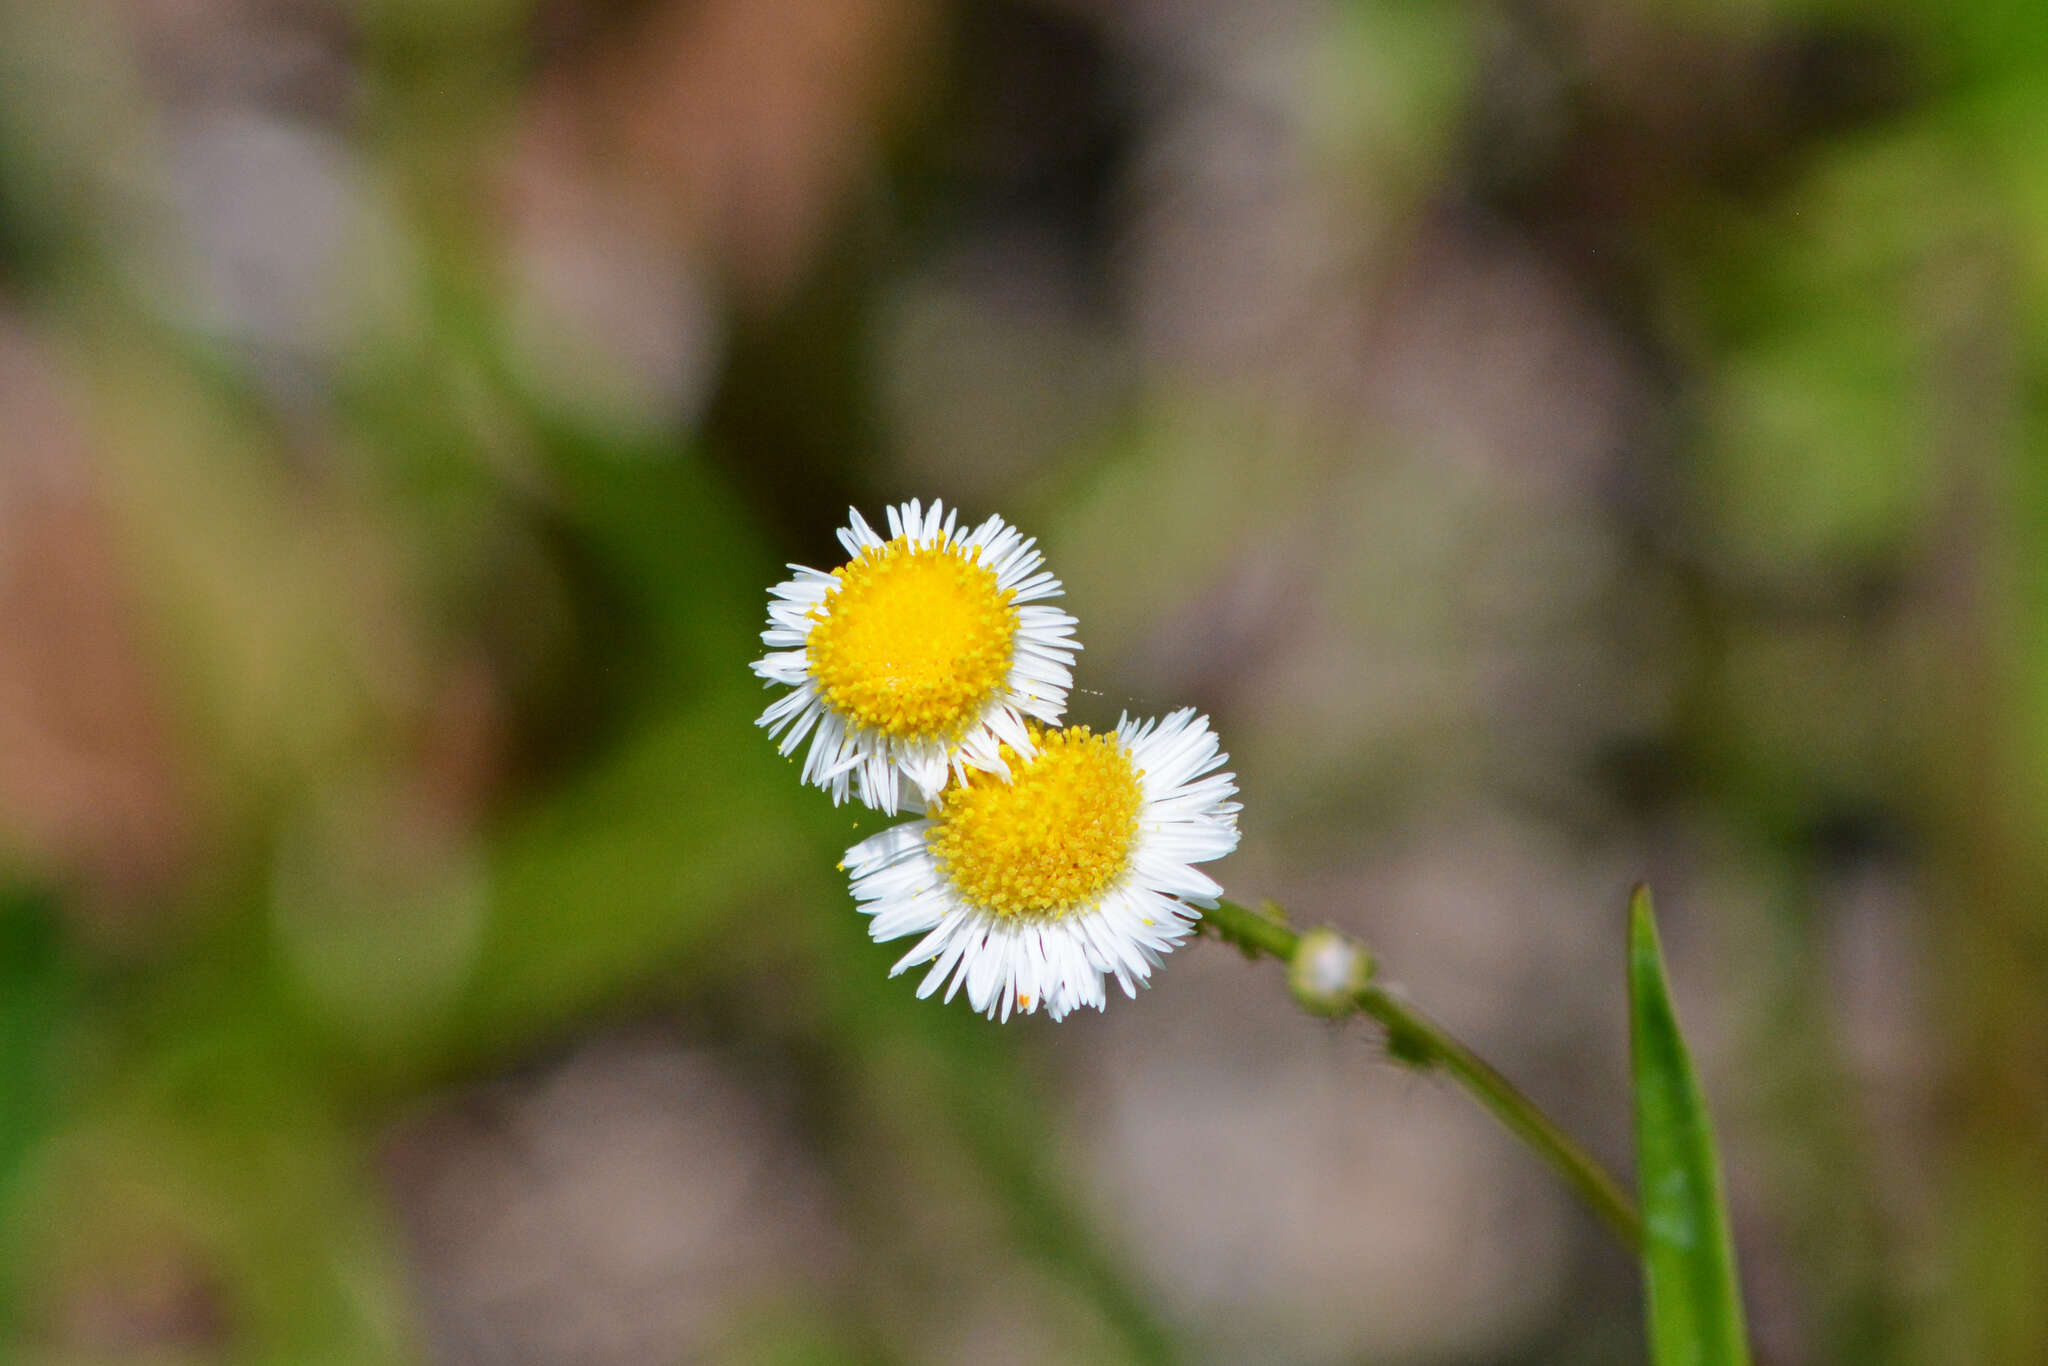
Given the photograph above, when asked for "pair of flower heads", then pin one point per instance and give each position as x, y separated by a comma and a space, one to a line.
928, 671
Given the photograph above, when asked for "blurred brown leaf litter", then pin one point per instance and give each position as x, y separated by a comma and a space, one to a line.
89, 779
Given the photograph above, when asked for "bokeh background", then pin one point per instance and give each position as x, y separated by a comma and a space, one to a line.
1559, 441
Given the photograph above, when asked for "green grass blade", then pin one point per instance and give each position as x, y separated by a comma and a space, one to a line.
1693, 1301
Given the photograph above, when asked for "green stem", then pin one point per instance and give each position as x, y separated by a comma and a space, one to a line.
1415, 1038
1512, 1108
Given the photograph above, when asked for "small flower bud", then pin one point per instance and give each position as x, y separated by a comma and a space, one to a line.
1328, 972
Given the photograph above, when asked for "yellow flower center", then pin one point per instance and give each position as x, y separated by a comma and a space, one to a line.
913, 641
1052, 838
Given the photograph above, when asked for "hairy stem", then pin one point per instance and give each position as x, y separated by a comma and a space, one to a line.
1415, 1039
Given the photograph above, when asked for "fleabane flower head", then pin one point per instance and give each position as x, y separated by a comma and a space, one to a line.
919, 658
1032, 891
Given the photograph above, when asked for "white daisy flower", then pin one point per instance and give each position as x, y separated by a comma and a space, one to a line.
1031, 891
920, 657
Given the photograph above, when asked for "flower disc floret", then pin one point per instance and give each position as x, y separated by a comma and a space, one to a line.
1050, 840
914, 641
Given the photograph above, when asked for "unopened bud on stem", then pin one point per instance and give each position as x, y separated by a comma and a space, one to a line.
1328, 971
